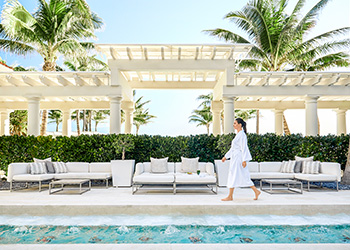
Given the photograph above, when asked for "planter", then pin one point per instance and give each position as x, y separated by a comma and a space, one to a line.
122, 172
221, 169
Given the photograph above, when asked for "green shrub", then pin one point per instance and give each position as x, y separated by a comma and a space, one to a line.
101, 148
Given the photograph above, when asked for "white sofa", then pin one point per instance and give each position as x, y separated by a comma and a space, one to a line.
143, 176
20, 172
329, 172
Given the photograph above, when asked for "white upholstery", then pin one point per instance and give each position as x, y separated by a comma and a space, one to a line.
151, 178
272, 166
253, 166
94, 176
17, 169
100, 167
184, 178
32, 177
271, 175
146, 167
77, 167
331, 168
316, 177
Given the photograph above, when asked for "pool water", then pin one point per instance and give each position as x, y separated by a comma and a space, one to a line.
174, 229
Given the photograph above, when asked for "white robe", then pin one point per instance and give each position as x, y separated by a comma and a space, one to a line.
239, 152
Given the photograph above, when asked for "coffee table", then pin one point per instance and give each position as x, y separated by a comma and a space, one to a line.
279, 186
69, 182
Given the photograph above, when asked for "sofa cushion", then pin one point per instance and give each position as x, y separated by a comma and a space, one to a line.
100, 167
32, 177
159, 165
316, 177
253, 166
189, 164
311, 167
38, 168
272, 166
93, 176
331, 168
48, 163
150, 178
60, 167
299, 163
194, 178
288, 166
271, 175
77, 167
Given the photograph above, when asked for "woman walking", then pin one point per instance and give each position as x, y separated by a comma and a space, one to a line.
239, 154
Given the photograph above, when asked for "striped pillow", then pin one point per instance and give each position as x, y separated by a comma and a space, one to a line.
60, 167
288, 166
311, 167
38, 168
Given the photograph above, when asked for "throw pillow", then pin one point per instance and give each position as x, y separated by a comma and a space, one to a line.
311, 167
189, 164
288, 167
60, 167
159, 165
299, 163
37, 168
49, 166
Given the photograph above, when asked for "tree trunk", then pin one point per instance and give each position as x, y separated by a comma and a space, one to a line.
257, 121
90, 120
78, 120
208, 129
318, 123
96, 123
57, 126
346, 176
84, 120
222, 122
49, 66
137, 129
285, 126
43, 122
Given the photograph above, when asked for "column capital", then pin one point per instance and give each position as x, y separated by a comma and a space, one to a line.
340, 111
33, 98
128, 106
115, 98
311, 98
277, 111
228, 98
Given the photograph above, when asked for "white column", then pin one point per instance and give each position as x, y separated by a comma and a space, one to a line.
216, 108
311, 116
34, 115
278, 122
115, 115
341, 121
66, 122
4, 122
128, 107
229, 114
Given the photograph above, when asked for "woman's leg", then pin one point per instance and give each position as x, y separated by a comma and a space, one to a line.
230, 195
256, 191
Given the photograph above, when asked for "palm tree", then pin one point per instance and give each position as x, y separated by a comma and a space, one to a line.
279, 42
76, 116
346, 176
141, 115
99, 116
278, 39
55, 28
203, 117
56, 117
18, 122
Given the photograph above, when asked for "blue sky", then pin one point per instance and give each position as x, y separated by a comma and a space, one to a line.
156, 21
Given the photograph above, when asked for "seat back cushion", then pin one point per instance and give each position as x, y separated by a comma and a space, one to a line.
48, 164
77, 167
288, 166
38, 168
189, 164
311, 167
100, 167
159, 165
202, 166
147, 167
253, 166
270, 166
299, 163
60, 167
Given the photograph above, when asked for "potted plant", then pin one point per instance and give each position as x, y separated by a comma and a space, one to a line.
122, 170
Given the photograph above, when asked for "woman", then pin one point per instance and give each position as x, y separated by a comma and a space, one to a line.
239, 154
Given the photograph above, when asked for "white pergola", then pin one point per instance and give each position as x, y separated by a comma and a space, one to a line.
171, 66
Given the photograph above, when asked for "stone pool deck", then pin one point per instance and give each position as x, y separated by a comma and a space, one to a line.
112, 201
101, 201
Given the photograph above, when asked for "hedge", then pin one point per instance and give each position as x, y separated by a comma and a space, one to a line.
100, 148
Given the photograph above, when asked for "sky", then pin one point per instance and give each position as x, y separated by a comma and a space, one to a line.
182, 22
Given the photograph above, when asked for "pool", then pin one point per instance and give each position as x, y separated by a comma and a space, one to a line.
126, 229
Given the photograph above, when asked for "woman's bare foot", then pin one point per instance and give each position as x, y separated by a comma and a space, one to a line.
227, 199
257, 195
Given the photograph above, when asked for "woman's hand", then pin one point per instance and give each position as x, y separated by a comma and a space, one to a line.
223, 159
244, 164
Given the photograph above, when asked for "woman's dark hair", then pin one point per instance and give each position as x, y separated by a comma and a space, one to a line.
243, 123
